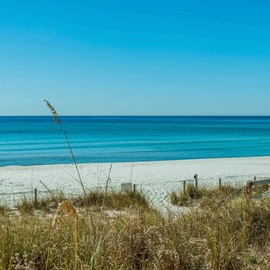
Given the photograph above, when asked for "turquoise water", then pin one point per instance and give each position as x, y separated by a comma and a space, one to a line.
37, 140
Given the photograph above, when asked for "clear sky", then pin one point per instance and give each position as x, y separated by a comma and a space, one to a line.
135, 57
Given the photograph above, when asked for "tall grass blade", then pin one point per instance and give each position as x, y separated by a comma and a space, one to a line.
59, 122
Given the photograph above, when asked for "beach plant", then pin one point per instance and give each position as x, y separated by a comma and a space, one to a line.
59, 122
231, 235
94, 200
202, 196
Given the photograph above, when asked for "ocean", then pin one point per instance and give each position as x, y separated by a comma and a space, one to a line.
37, 140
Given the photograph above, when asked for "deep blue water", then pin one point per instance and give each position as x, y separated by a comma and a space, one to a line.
38, 140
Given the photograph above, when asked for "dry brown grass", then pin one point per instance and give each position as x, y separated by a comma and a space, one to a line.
231, 235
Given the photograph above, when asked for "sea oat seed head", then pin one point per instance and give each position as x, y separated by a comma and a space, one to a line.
53, 111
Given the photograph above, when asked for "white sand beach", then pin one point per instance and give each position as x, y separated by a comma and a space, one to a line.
156, 179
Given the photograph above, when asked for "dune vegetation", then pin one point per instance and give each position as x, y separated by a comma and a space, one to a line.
121, 231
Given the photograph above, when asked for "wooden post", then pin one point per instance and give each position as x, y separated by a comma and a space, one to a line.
134, 187
196, 181
255, 178
35, 198
184, 187
219, 182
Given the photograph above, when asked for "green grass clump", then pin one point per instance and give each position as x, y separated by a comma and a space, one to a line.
202, 195
45, 204
112, 200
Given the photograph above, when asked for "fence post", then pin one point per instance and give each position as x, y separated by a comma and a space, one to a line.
196, 181
134, 187
184, 187
35, 198
219, 182
255, 178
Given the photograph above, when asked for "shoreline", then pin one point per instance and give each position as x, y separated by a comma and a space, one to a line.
155, 178
134, 162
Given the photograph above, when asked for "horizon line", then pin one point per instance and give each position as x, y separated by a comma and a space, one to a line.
150, 115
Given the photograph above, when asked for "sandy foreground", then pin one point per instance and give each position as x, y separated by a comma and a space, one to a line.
156, 179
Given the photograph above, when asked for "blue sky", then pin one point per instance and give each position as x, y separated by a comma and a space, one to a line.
123, 57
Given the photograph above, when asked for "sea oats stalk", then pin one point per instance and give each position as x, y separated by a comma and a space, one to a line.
58, 122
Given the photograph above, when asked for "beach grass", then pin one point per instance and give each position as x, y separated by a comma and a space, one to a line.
203, 195
116, 200
230, 235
